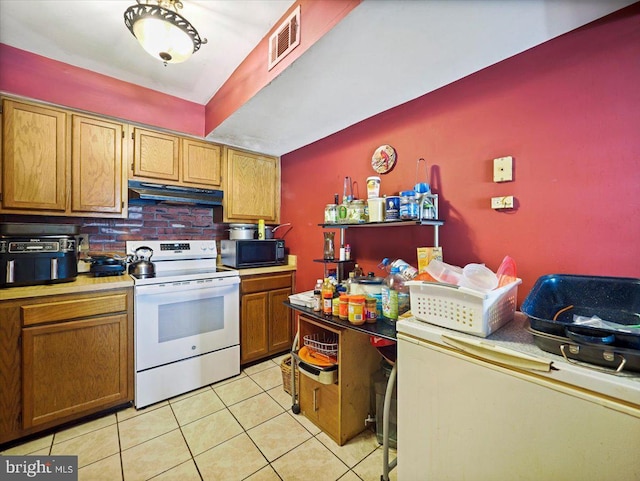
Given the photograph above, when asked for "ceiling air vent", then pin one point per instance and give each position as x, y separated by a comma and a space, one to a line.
285, 38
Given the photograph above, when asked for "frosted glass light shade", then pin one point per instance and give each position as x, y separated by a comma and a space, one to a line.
163, 40
163, 32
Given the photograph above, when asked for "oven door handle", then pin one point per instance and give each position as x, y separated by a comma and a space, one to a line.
186, 285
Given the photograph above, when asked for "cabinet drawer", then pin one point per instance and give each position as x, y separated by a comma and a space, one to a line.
265, 283
72, 309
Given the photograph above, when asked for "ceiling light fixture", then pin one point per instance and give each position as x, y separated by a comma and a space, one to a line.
162, 31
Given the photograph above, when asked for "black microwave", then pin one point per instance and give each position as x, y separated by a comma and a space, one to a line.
252, 253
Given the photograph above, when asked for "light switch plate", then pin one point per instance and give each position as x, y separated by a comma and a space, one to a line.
503, 169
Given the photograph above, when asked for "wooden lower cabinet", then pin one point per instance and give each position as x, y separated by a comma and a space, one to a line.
320, 403
340, 409
64, 357
265, 322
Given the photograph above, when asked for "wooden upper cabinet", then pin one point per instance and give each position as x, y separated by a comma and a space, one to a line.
175, 160
251, 186
96, 166
156, 155
201, 163
61, 163
34, 153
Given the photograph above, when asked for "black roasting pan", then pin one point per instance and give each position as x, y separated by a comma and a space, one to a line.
557, 299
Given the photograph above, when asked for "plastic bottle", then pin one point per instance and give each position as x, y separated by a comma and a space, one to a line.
408, 205
327, 297
335, 306
357, 271
350, 281
395, 296
407, 271
317, 296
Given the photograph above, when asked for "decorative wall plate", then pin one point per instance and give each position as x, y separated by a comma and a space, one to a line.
384, 158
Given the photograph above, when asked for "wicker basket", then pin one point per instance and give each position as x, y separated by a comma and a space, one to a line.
285, 367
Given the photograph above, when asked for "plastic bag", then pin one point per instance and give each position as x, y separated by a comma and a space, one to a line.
595, 321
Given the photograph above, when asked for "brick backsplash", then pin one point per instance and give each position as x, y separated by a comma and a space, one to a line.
145, 222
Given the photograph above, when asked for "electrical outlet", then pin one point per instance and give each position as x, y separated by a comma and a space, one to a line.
505, 202
84, 245
503, 169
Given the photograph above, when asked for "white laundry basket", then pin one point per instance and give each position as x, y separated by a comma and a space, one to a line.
463, 309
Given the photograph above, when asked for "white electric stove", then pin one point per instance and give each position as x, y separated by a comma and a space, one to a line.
186, 318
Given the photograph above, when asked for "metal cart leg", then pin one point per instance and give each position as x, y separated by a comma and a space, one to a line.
295, 405
386, 466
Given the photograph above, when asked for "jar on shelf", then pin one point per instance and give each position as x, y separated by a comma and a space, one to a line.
408, 205
342, 212
429, 207
392, 207
331, 214
356, 212
343, 310
371, 309
356, 309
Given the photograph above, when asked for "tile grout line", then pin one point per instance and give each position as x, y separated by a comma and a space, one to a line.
193, 458
120, 448
271, 393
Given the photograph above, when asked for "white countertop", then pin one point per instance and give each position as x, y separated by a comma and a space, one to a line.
514, 336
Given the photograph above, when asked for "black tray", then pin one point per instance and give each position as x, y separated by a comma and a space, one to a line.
615, 299
616, 358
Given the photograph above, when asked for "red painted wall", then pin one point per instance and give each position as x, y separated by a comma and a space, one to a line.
567, 111
29, 75
317, 17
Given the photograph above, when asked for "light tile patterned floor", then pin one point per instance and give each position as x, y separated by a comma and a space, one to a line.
238, 429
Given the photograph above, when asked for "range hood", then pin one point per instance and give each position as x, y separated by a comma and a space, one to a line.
145, 193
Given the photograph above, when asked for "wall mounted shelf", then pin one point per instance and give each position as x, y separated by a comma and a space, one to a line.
435, 223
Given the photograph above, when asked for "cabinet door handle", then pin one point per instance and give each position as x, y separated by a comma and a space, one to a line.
315, 398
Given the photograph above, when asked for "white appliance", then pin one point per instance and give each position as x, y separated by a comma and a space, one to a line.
186, 318
502, 409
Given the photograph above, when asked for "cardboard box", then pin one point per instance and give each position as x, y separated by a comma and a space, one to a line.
426, 255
